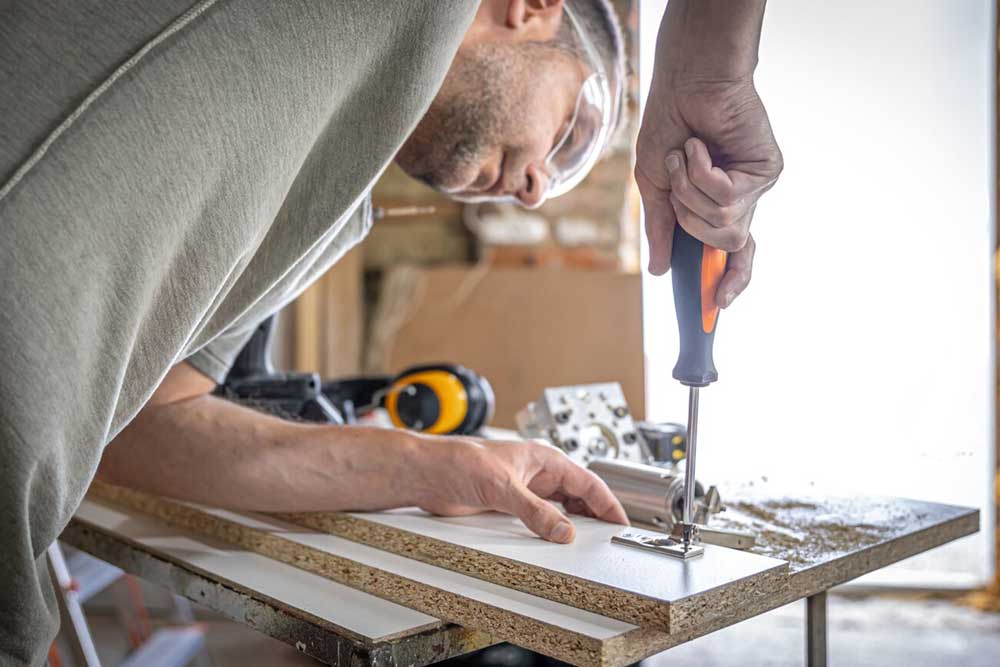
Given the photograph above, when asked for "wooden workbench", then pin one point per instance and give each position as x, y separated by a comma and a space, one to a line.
825, 541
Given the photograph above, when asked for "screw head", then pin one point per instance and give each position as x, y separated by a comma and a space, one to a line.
598, 446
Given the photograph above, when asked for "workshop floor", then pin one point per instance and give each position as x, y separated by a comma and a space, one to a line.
863, 631
870, 631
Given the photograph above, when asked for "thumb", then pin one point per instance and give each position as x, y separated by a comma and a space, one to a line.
540, 516
660, 221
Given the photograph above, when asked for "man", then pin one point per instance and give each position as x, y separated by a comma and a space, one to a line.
172, 172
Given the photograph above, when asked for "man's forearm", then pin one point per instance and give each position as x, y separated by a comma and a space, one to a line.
210, 450
709, 40
190, 445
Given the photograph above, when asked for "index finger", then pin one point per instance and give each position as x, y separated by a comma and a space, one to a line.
581, 483
738, 272
660, 221
726, 188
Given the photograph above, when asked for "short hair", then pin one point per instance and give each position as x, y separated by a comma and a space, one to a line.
599, 20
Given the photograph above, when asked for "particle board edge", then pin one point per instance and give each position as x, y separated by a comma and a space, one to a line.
88, 537
560, 587
289, 625
850, 566
506, 625
642, 643
694, 611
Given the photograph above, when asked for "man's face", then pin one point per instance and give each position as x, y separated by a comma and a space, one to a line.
500, 111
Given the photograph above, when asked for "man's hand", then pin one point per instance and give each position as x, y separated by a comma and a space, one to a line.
461, 475
706, 152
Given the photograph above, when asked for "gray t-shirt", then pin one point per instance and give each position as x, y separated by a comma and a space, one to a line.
171, 172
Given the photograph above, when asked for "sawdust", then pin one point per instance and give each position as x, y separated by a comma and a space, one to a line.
805, 533
766, 511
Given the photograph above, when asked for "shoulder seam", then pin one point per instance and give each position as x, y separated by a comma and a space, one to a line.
178, 24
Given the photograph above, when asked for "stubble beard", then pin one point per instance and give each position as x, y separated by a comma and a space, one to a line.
468, 119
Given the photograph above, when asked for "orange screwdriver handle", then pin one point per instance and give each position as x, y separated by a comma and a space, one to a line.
696, 270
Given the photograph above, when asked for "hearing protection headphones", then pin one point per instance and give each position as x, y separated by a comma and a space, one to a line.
440, 399
434, 398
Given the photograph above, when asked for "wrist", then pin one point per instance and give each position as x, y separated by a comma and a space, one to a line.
709, 40
357, 467
683, 73
684, 88
418, 464
438, 465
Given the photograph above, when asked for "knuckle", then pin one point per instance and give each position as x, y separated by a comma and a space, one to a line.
700, 179
684, 215
649, 182
740, 283
726, 216
553, 457
728, 198
732, 239
541, 451
536, 514
777, 162
640, 178
680, 184
593, 485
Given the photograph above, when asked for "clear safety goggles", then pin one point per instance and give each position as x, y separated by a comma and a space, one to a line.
587, 133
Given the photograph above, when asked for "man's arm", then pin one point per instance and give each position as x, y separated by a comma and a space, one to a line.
706, 152
190, 445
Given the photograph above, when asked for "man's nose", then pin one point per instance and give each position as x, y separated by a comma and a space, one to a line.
536, 183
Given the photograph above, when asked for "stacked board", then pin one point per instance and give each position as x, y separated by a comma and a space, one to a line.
637, 586
590, 603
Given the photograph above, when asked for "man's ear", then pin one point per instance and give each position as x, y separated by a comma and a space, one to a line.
515, 20
539, 18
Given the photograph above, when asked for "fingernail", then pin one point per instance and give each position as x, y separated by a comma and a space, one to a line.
673, 162
727, 299
560, 533
689, 148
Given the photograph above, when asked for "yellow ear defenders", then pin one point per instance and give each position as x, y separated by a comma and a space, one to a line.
440, 399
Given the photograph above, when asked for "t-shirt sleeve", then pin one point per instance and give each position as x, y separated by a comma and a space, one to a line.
216, 358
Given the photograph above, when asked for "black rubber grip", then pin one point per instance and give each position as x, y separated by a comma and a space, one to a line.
695, 366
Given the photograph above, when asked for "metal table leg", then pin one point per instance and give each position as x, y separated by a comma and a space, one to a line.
816, 630
73, 624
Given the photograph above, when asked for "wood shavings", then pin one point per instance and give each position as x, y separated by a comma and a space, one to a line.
801, 531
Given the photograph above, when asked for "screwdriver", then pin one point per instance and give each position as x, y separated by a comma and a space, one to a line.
696, 271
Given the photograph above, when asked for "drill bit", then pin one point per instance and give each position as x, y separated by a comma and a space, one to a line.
689, 463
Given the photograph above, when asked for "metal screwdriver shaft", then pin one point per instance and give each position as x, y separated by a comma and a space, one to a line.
689, 466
